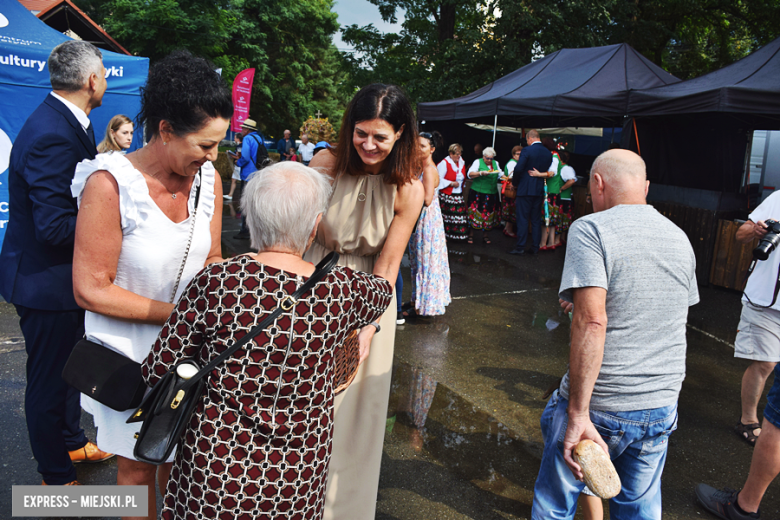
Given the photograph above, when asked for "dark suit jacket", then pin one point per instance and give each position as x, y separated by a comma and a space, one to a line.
37, 254
533, 156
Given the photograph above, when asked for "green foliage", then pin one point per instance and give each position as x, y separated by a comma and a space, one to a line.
318, 129
448, 48
289, 43
155, 28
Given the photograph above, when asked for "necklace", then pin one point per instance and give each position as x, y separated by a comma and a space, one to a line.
172, 193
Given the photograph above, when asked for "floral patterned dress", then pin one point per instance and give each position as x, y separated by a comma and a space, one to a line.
483, 206
429, 262
452, 202
259, 442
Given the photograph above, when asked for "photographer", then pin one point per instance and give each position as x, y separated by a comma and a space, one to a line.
758, 338
758, 335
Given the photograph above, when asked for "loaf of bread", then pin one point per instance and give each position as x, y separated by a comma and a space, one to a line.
599, 472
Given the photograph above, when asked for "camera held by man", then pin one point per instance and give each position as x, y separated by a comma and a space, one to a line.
758, 339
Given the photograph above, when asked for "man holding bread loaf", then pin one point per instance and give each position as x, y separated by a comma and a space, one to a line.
630, 275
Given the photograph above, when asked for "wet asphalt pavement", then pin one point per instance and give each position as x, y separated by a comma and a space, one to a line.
463, 438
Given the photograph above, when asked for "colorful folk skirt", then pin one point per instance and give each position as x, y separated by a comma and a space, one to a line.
429, 262
564, 216
552, 207
453, 213
483, 210
508, 210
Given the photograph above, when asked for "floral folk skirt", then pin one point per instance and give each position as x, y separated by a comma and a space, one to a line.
564, 216
483, 210
430, 265
453, 213
508, 211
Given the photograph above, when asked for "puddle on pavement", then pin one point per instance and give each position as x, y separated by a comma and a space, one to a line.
434, 420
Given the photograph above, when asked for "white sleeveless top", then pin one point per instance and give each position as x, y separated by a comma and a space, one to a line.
152, 249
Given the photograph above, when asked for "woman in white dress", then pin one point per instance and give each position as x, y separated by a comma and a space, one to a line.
138, 215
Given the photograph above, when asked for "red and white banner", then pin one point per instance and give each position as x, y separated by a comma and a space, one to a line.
242, 94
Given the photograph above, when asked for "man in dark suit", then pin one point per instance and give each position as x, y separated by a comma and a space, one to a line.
530, 192
37, 254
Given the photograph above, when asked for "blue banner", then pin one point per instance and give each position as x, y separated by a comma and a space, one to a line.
25, 45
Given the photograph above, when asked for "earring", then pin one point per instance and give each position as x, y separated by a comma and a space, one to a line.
164, 143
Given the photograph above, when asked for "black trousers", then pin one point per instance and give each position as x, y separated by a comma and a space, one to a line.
52, 407
529, 208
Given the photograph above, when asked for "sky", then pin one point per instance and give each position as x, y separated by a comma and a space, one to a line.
360, 12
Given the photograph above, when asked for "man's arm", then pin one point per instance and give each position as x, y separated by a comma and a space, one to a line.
750, 230
246, 152
54, 216
588, 332
520, 167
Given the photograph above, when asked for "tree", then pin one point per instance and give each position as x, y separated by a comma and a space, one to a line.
155, 28
288, 42
447, 48
437, 54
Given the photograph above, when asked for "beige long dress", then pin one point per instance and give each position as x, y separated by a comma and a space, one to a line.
356, 226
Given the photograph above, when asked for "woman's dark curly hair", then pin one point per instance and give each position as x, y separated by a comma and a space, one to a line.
390, 104
185, 91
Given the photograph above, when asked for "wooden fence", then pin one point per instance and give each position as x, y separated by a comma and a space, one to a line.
731, 259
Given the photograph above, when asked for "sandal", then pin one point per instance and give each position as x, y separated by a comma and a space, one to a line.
510, 234
486, 240
747, 432
470, 240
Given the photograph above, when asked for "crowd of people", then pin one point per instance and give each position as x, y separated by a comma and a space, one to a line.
125, 249
498, 198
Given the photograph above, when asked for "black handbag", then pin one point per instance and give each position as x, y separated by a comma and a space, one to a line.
107, 376
167, 409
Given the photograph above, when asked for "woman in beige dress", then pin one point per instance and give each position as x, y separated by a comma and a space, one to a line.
376, 201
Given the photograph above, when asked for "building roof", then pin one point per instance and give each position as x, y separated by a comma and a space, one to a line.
65, 17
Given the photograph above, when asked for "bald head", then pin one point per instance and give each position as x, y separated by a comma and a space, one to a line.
618, 177
531, 136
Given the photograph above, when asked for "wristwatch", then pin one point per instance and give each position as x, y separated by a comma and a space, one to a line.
376, 326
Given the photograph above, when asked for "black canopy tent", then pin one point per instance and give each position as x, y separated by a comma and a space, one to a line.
695, 134
748, 90
570, 87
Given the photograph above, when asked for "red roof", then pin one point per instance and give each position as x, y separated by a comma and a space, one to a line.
49, 8
37, 5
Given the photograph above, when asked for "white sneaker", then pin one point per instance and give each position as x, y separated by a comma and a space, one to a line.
227, 197
399, 320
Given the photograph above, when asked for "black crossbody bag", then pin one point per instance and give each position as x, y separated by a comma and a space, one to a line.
166, 410
107, 376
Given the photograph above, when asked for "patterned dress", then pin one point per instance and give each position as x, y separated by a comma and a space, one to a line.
508, 211
452, 202
246, 454
483, 198
429, 262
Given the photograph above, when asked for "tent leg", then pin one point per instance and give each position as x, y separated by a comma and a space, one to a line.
636, 136
495, 124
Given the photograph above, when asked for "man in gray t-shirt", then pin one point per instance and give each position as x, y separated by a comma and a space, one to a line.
630, 274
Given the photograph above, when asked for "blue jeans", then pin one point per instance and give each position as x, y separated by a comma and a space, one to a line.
772, 410
637, 444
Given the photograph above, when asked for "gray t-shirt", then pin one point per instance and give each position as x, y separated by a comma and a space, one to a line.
647, 266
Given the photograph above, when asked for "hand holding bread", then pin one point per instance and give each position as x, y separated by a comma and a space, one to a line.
598, 471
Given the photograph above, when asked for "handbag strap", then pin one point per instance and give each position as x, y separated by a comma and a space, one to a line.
189, 240
288, 302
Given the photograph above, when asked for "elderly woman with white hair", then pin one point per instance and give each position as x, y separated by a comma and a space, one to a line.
483, 207
259, 442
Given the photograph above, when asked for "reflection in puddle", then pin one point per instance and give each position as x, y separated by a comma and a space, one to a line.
430, 417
